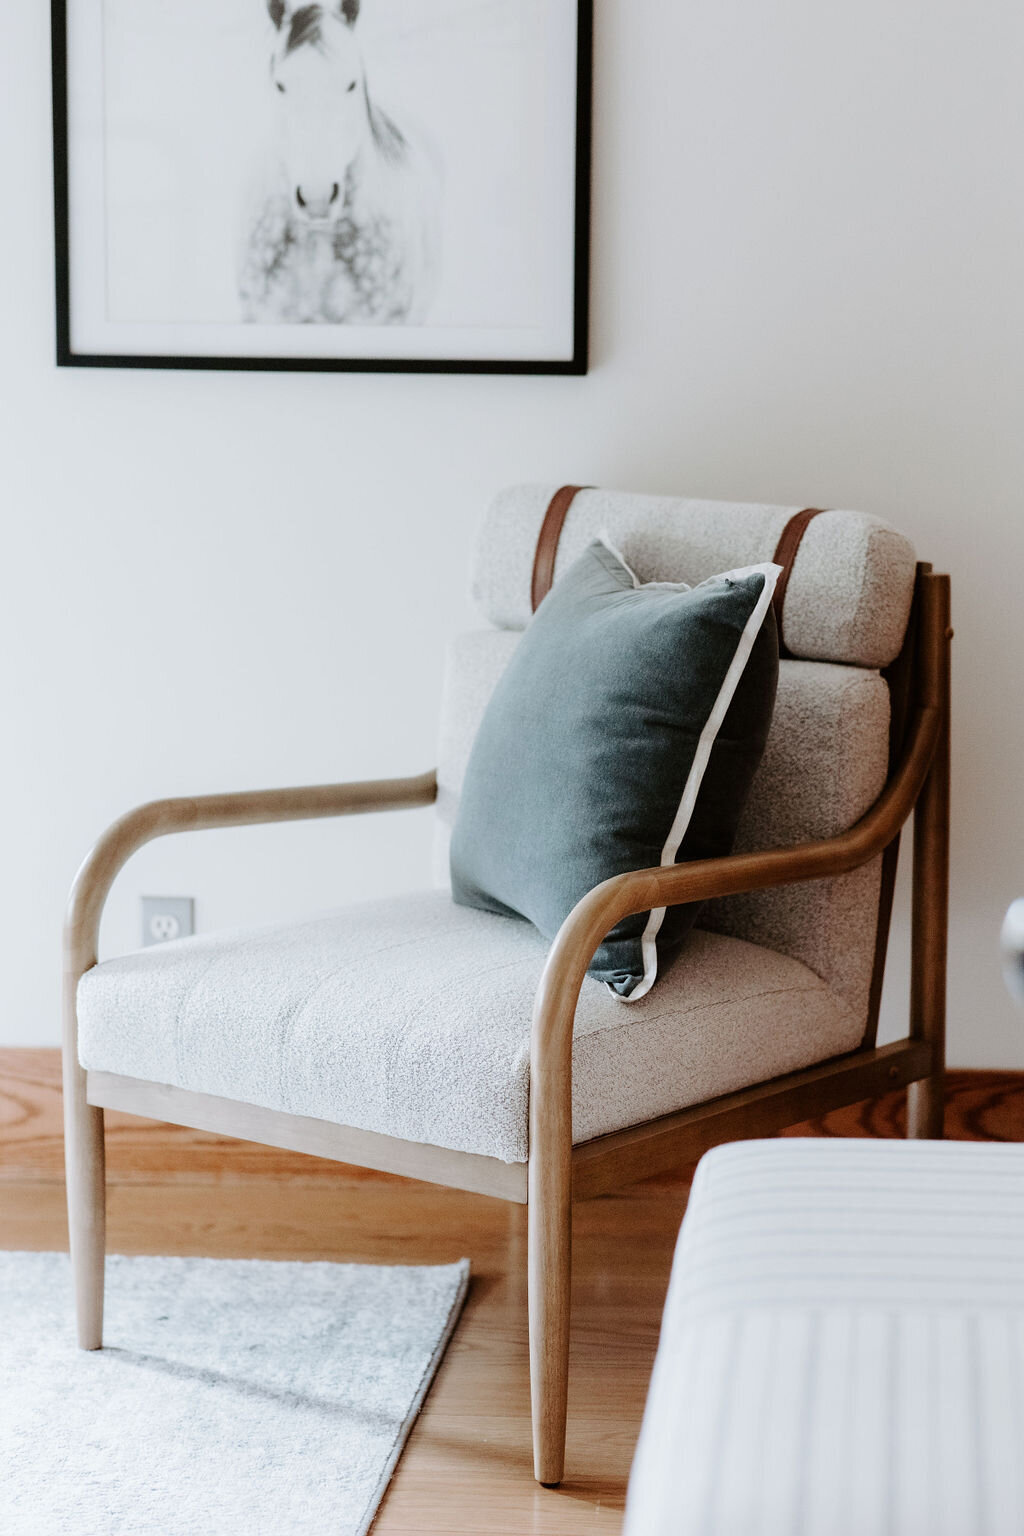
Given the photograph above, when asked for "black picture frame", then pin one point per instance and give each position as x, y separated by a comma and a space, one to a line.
577, 364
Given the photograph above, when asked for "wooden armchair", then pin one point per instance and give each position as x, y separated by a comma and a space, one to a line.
433, 1074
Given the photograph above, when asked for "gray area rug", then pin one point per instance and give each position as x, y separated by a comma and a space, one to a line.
231, 1398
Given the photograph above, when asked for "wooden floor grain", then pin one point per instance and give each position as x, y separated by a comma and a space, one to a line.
467, 1467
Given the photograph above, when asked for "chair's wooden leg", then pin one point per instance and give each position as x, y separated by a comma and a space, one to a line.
549, 1220
549, 1282
925, 1099
926, 1103
86, 1188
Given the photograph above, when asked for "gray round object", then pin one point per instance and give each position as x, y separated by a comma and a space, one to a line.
1013, 948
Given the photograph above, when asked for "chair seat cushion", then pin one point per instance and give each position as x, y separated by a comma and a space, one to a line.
411, 1017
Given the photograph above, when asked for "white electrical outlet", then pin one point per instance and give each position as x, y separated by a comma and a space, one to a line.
167, 917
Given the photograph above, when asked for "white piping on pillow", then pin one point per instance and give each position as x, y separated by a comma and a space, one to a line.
708, 735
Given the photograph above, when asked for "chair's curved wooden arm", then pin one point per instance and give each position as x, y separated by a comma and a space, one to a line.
202, 812
677, 884
83, 1122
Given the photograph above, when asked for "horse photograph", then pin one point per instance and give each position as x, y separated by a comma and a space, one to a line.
351, 232
343, 182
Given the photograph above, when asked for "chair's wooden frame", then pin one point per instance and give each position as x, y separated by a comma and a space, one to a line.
557, 1172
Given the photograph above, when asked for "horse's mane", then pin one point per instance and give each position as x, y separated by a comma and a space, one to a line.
387, 136
304, 28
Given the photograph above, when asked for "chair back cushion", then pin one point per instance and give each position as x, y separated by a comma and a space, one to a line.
848, 598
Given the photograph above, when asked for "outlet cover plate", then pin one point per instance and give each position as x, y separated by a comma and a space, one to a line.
167, 917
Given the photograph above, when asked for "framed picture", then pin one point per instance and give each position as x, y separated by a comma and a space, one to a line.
358, 184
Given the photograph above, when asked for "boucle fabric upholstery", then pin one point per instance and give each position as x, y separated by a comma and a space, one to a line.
824, 765
848, 598
411, 1017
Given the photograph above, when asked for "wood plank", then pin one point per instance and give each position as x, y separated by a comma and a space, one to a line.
32, 1138
981, 1105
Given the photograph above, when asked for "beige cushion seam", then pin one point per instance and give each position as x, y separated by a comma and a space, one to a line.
743, 998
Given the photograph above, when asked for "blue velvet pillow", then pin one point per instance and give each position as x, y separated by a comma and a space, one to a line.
624, 733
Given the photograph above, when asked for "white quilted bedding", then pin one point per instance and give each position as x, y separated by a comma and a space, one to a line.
842, 1350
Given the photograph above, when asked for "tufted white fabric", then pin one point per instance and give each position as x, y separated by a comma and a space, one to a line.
825, 764
842, 1348
849, 594
411, 1017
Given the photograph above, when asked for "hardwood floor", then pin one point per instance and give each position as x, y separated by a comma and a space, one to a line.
467, 1467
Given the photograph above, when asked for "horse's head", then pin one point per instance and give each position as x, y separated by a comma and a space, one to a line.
317, 75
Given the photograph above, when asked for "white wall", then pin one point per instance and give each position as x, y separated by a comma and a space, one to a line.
808, 225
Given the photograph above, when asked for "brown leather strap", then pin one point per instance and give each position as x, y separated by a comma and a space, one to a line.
562, 500
785, 554
547, 543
